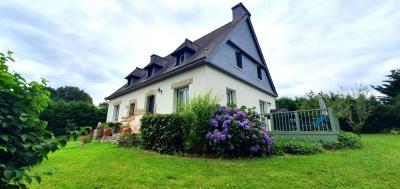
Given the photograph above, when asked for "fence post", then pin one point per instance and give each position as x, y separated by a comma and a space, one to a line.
296, 116
272, 121
333, 121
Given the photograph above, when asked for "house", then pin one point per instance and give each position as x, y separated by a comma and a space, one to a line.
228, 61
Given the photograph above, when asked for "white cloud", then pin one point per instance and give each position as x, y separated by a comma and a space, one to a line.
308, 45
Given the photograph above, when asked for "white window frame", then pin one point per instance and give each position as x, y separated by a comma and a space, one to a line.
182, 96
116, 112
230, 96
263, 107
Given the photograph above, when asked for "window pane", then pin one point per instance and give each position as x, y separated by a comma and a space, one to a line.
116, 112
182, 96
259, 72
132, 109
239, 59
262, 107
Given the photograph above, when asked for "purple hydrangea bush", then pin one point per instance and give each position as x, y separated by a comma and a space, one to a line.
238, 132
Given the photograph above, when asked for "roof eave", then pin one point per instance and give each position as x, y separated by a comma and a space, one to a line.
185, 67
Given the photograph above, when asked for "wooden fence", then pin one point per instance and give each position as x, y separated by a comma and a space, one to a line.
316, 124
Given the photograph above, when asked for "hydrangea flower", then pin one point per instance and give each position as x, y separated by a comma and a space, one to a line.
228, 123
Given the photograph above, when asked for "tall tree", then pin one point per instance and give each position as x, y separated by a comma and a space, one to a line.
390, 87
69, 93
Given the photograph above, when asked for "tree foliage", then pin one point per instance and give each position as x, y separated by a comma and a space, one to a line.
390, 87
70, 93
353, 105
288, 103
24, 139
63, 116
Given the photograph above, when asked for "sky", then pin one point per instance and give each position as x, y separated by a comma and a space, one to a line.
308, 45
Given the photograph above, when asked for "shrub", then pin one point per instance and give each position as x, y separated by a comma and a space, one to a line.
296, 146
238, 132
129, 140
345, 140
114, 126
349, 140
24, 140
302, 147
162, 133
197, 114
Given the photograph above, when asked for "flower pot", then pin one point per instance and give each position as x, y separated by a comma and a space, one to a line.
126, 131
97, 134
107, 132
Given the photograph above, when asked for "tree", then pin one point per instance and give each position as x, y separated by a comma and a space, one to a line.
24, 140
69, 93
63, 116
391, 87
353, 105
285, 102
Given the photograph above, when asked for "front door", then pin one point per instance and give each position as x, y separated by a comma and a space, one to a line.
150, 104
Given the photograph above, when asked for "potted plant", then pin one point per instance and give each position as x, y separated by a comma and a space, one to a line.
107, 131
98, 132
115, 126
125, 129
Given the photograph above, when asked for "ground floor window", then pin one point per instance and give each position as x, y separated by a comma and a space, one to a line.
132, 109
150, 104
262, 107
116, 112
182, 96
230, 97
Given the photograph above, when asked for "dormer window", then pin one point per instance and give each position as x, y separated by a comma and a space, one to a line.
179, 59
150, 71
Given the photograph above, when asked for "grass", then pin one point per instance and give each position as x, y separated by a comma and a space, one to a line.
100, 165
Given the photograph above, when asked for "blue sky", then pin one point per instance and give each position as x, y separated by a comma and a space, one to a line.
308, 45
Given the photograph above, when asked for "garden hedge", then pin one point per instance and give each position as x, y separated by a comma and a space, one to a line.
162, 133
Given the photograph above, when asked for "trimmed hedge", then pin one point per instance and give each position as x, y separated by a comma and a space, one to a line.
162, 133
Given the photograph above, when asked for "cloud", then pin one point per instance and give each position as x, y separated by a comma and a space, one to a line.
308, 45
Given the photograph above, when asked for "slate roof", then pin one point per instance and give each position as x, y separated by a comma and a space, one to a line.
202, 47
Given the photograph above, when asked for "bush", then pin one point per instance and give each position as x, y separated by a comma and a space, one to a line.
296, 146
238, 132
349, 140
115, 126
162, 133
129, 140
24, 141
346, 140
197, 114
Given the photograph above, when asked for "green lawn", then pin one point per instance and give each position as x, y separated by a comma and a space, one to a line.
97, 165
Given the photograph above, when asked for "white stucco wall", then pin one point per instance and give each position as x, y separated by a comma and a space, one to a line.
245, 94
204, 78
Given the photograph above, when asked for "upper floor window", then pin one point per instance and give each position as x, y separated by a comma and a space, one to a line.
259, 72
239, 60
180, 58
230, 97
116, 112
149, 72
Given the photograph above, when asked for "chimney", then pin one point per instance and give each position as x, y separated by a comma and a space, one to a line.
238, 11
